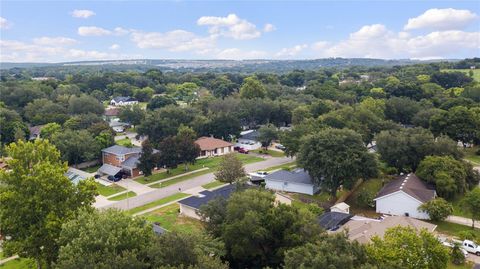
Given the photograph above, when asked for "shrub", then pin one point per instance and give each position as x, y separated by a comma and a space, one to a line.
365, 198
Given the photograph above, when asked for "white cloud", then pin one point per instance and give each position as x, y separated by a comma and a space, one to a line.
230, 26
4, 23
269, 28
176, 40
238, 54
93, 31
82, 13
99, 31
54, 41
376, 41
114, 47
442, 19
291, 52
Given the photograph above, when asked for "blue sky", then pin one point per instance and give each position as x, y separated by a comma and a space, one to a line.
52, 31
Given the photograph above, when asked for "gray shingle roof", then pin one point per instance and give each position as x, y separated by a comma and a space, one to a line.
121, 150
131, 162
206, 196
109, 169
251, 136
297, 176
411, 185
331, 220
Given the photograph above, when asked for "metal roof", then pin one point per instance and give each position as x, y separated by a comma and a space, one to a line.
331, 220
296, 176
109, 169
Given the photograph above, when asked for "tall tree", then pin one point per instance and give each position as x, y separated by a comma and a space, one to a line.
187, 149
76, 146
266, 134
472, 204
335, 157
252, 88
403, 247
167, 155
230, 169
147, 159
160, 101
85, 104
36, 198
460, 124
132, 114
125, 244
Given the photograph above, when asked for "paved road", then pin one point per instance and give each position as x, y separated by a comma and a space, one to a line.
462, 221
188, 184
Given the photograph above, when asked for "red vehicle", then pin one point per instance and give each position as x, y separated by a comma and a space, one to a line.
242, 150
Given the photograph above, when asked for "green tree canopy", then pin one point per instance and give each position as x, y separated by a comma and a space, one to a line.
438, 209
252, 88
230, 169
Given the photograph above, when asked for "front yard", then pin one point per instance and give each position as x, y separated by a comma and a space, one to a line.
108, 190
371, 186
470, 155
270, 152
454, 229
170, 219
126, 142
122, 196
211, 163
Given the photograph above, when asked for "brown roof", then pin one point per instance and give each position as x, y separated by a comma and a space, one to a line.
112, 112
362, 230
210, 143
411, 185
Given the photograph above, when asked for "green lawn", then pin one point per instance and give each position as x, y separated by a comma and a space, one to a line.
467, 265
176, 180
458, 209
211, 163
168, 217
122, 196
285, 166
476, 72
270, 152
162, 201
453, 229
212, 184
108, 190
19, 264
372, 186
471, 156
124, 142
91, 169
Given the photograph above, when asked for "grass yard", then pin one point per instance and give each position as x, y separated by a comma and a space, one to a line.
458, 208
124, 142
270, 152
467, 265
471, 156
108, 190
168, 217
211, 163
162, 201
212, 184
122, 196
372, 186
91, 169
176, 180
283, 166
476, 72
453, 229
19, 264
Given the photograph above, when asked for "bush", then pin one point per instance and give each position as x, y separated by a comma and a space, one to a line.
457, 255
365, 198
467, 235
438, 209
477, 152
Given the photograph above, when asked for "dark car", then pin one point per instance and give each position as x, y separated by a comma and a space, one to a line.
236, 148
97, 176
114, 178
242, 150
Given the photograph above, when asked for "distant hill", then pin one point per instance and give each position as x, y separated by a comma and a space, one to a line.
216, 65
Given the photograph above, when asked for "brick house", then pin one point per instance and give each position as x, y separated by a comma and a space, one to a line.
119, 158
210, 147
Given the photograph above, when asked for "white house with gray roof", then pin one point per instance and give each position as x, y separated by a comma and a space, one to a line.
291, 181
123, 101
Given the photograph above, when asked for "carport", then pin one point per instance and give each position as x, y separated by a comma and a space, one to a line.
107, 169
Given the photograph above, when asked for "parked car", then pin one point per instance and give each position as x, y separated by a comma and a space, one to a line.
236, 148
471, 247
242, 150
114, 178
280, 146
450, 245
97, 176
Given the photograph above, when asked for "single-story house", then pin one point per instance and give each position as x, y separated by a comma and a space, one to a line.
119, 158
248, 140
210, 147
333, 220
189, 206
123, 101
340, 207
363, 229
111, 114
403, 196
291, 181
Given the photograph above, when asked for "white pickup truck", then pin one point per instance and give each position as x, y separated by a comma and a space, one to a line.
471, 247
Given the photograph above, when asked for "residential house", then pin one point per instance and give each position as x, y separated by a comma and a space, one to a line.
118, 126
111, 114
340, 207
363, 229
403, 196
249, 140
123, 101
189, 206
291, 181
210, 147
119, 158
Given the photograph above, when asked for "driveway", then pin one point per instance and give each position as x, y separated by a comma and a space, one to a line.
160, 193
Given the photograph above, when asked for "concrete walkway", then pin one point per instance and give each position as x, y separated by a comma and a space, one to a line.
8, 259
160, 193
462, 221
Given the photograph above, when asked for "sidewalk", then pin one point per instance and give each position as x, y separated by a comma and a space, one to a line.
462, 221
